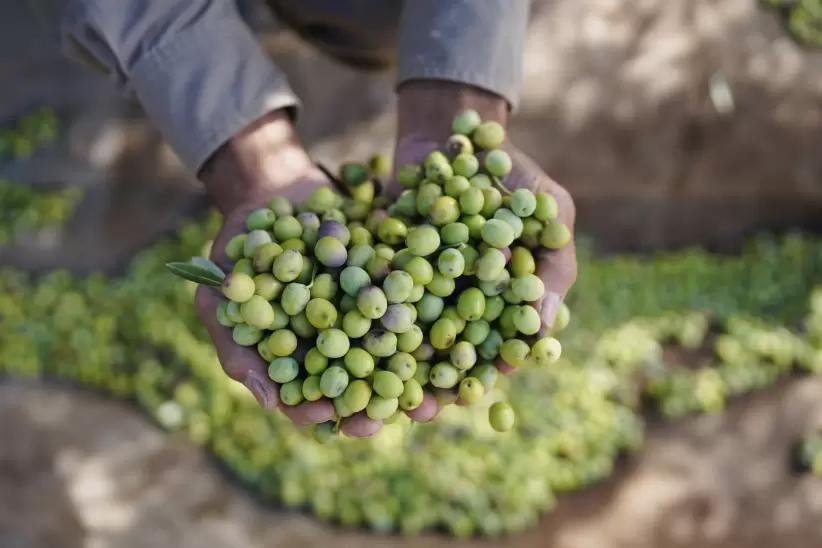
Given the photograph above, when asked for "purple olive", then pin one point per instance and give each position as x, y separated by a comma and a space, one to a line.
334, 229
309, 220
398, 318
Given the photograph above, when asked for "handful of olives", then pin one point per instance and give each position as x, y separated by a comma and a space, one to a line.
367, 303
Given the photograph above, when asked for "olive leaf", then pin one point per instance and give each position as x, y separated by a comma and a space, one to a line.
336, 182
196, 273
210, 265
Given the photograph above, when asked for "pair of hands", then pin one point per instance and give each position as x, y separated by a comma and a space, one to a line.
267, 160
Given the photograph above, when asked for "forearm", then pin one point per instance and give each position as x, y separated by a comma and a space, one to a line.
194, 65
477, 43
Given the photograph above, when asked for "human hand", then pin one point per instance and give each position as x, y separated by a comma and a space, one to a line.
264, 161
425, 115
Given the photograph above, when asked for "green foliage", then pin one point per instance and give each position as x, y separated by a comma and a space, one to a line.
801, 19
24, 209
35, 129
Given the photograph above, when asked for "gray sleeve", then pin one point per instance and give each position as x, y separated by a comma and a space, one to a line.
478, 42
195, 66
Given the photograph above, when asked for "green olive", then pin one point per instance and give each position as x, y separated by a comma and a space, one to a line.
471, 390
333, 381
291, 393
403, 365
315, 362
380, 408
501, 416
465, 165
238, 287
357, 395
410, 175
466, 122
488, 135
444, 375
555, 235
282, 343
546, 207
359, 363
443, 334
497, 233
456, 185
412, 395
498, 163
283, 370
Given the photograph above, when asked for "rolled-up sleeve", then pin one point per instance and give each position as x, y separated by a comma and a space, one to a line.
194, 65
477, 42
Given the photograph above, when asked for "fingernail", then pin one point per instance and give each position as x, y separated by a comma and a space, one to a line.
256, 387
550, 307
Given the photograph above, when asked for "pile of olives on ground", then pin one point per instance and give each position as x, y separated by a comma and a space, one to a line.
367, 306
26, 210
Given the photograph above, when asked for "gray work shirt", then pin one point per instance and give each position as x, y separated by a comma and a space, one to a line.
202, 76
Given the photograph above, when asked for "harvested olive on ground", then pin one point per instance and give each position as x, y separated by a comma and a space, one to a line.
501, 416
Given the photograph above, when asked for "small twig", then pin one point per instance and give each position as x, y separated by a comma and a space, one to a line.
313, 276
498, 182
336, 181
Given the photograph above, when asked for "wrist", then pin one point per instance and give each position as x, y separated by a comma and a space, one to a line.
257, 162
426, 108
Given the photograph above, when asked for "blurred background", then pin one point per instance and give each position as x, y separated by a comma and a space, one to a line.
675, 124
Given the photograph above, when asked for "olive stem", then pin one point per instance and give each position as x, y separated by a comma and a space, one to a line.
335, 181
313, 277
498, 182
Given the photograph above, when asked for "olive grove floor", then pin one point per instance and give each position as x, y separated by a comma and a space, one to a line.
78, 470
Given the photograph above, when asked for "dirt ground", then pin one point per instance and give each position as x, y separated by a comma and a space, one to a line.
78, 470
